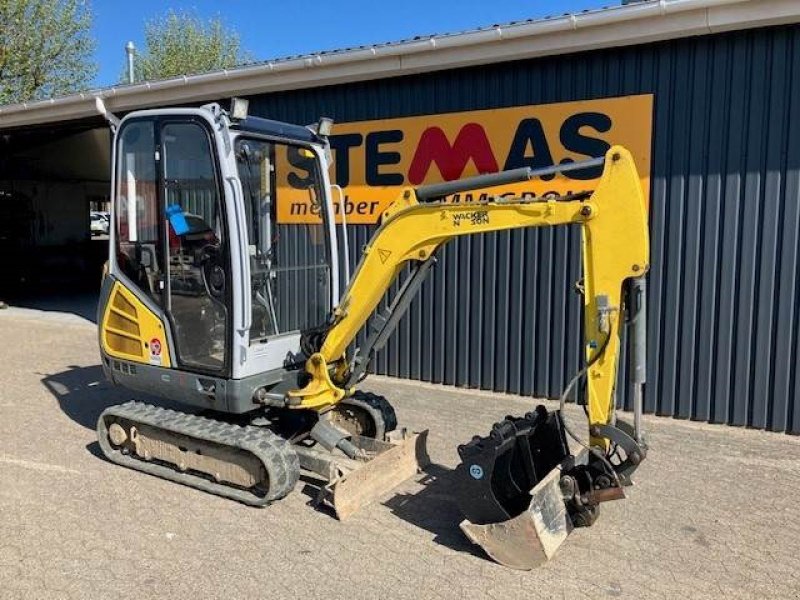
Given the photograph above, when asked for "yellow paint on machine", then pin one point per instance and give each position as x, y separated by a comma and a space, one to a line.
616, 247
131, 331
374, 160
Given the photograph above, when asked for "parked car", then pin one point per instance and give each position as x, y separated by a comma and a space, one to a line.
99, 223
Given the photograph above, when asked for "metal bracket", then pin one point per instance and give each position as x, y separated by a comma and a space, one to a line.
634, 453
113, 120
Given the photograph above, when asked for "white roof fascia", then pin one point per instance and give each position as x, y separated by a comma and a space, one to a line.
612, 27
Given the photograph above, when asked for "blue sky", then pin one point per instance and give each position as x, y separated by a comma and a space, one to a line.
271, 29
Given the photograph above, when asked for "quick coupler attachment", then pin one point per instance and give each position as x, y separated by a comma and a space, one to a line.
522, 491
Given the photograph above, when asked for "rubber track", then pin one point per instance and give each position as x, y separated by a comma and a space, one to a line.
376, 403
276, 454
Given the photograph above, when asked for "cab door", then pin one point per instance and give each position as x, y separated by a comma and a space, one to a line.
195, 246
171, 243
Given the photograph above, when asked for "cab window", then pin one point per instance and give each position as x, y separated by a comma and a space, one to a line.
289, 256
196, 246
137, 210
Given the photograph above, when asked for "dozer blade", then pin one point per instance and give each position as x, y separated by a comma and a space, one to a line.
353, 484
532, 537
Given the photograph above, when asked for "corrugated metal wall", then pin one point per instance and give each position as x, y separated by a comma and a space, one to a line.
499, 312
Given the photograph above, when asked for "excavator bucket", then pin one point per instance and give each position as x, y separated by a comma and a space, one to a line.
353, 484
531, 538
512, 489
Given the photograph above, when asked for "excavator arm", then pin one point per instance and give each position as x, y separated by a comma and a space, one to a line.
613, 220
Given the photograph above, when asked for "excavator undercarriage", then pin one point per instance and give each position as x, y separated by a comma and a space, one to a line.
213, 302
260, 462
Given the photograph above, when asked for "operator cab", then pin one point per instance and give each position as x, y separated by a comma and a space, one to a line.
207, 234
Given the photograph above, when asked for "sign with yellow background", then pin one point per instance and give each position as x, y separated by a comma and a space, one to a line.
373, 160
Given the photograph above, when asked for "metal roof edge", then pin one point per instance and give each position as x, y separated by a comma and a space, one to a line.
611, 27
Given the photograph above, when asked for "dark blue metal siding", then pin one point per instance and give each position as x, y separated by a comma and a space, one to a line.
499, 312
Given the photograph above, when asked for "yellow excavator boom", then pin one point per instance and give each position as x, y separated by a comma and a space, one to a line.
613, 219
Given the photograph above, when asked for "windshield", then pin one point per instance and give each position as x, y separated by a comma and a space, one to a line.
289, 260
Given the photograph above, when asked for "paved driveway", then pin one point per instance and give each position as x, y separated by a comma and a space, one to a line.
714, 513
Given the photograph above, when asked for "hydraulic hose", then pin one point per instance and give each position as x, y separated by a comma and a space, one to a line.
563, 400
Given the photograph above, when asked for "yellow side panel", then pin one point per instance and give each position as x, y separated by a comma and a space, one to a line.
131, 331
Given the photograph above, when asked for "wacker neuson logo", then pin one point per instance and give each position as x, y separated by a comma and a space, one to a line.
372, 160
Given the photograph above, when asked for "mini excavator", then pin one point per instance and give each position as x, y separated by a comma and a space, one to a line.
250, 323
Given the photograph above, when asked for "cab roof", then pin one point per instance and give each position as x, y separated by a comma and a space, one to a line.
276, 129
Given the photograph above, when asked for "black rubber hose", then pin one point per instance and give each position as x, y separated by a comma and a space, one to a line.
563, 400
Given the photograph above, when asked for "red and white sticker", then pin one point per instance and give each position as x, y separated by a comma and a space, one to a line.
155, 351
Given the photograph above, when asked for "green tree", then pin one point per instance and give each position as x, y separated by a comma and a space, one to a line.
45, 49
180, 43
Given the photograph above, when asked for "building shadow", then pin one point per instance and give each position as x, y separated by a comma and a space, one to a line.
434, 509
82, 304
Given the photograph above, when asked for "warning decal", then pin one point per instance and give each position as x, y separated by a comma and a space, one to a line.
155, 351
